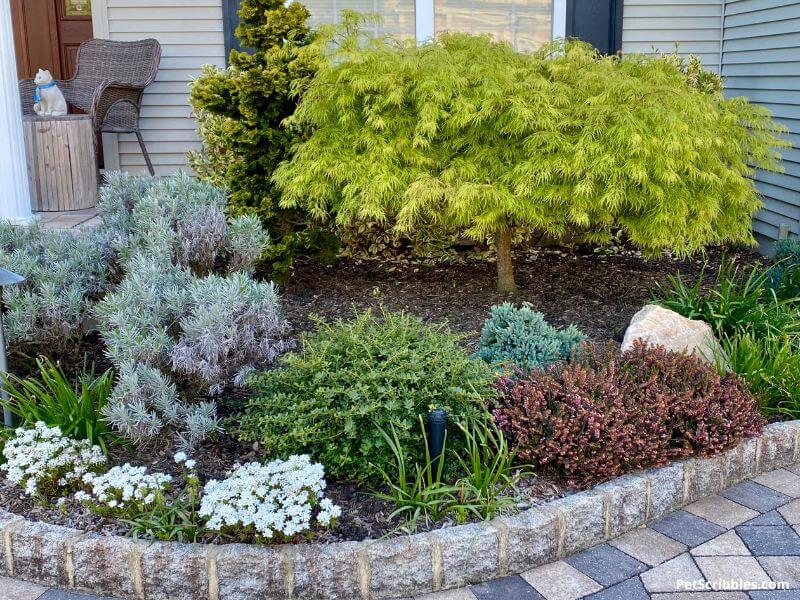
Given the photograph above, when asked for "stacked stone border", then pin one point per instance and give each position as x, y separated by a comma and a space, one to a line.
399, 567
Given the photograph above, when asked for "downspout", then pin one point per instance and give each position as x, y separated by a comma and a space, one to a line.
723, 4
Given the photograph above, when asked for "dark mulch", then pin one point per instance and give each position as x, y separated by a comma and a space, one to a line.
596, 291
363, 515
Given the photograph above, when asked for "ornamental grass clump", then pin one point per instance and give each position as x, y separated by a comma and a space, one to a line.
350, 380
465, 132
520, 337
74, 406
606, 414
46, 464
278, 500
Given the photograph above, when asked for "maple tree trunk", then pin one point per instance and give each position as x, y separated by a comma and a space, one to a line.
505, 268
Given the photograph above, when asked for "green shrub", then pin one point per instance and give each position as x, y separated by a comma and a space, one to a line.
352, 379
466, 132
737, 302
522, 338
75, 408
240, 111
770, 367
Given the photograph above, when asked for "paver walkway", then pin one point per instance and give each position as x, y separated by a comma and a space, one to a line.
745, 541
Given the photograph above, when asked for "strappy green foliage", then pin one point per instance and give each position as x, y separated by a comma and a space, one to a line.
470, 133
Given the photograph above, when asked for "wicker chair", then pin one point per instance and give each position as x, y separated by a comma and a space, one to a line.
108, 85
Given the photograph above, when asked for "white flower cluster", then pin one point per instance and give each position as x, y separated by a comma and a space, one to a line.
182, 458
275, 498
123, 487
42, 456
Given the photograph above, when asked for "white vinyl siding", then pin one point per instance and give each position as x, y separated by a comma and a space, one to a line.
191, 35
654, 26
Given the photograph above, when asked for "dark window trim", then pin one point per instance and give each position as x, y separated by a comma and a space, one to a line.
230, 20
616, 22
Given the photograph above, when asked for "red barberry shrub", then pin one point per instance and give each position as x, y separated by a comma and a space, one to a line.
605, 413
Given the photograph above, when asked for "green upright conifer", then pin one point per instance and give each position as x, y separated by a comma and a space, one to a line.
240, 111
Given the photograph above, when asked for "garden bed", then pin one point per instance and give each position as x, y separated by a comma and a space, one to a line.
363, 515
378, 569
597, 291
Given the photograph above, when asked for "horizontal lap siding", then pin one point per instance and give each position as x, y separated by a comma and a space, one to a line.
654, 26
191, 35
761, 60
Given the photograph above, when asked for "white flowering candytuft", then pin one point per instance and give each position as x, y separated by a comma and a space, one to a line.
43, 462
277, 499
122, 489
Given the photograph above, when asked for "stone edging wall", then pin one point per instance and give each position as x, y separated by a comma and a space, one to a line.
393, 568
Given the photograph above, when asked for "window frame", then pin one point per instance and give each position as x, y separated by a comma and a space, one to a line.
424, 28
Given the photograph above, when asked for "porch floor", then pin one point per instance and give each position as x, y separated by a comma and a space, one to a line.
69, 219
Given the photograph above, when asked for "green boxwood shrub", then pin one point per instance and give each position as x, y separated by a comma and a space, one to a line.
352, 378
520, 337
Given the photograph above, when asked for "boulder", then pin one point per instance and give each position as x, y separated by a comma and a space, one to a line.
659, 326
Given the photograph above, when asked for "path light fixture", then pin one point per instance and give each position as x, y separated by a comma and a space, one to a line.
437, 425
6, 278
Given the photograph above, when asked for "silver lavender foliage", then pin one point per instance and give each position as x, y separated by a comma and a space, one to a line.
186, 318
167, 276
64, 271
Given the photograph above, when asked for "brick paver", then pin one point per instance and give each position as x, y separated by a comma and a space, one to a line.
747, 534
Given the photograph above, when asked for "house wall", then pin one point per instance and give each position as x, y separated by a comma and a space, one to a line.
191, 35
654, 26
761, 60
756, 44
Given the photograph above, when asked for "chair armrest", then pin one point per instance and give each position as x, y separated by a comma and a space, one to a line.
111, 93
26, 89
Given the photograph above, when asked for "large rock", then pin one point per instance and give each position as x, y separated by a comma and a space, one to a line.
660, 326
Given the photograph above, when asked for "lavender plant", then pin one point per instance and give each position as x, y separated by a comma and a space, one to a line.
182, 216
63, 272
186, 319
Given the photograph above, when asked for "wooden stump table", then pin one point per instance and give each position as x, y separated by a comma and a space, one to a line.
62, 162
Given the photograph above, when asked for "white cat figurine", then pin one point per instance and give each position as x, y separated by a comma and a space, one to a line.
48, 99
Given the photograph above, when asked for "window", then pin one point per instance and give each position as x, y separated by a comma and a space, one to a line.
397, 16
525, 24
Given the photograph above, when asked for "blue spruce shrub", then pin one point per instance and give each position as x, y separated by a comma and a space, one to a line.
521, 337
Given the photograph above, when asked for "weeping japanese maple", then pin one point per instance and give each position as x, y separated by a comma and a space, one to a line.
467, 132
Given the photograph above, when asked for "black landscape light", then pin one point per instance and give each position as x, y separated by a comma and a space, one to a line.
6, 278
437, 425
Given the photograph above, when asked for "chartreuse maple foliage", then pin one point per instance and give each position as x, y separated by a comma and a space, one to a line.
468, 132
